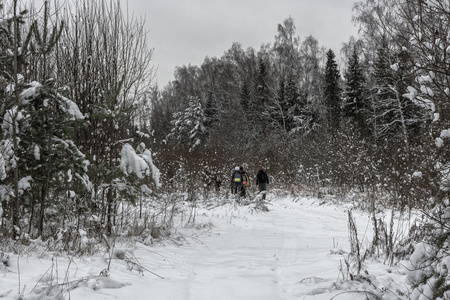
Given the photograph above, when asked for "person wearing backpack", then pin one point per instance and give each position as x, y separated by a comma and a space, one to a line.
245, 182
236, 181
262, 180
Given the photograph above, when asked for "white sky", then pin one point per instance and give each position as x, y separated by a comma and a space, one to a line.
184, 32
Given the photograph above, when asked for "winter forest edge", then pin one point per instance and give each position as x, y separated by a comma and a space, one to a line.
91, 149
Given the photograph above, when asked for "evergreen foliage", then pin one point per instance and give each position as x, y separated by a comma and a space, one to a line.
332, 92
189, 126
356, 105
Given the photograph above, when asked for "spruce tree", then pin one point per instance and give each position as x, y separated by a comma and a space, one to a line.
189, 125
262, 96
332, 92
245, 98
356, 106
261, 87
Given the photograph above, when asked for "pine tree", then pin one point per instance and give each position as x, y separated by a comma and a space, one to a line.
44, 42
332, 92
48, 155
38, 131
13, 59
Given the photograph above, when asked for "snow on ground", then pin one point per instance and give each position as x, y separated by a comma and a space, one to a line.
230, 252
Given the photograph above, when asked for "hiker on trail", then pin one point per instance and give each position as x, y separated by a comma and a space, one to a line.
217, 180
245, 182
262, 180
236, 181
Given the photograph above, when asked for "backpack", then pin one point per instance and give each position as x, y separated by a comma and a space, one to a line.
218, 178
237, 177
245, 180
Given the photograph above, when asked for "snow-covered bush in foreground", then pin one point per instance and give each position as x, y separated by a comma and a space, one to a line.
428, 267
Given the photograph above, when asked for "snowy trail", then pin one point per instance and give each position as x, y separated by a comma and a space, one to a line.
264, 255
281, 254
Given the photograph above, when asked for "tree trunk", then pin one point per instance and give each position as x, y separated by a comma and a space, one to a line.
30, 222
109, 212
42, 211
16, 202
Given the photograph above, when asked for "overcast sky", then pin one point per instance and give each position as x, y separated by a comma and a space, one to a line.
184, 32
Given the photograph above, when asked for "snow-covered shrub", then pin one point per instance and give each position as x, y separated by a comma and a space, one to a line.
391, 241
428, 266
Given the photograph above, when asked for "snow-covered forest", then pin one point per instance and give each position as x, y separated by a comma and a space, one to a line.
92, 152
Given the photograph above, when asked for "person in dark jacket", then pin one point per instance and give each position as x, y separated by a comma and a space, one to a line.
262, 180
236, 181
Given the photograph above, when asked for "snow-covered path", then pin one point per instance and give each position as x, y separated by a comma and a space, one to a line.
267, 255
229, 253
282, 254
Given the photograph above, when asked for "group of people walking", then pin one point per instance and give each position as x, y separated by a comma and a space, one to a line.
240, 181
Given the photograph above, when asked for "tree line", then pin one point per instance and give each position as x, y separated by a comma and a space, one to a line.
369, 122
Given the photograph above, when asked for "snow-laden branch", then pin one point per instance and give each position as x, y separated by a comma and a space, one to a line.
139, 164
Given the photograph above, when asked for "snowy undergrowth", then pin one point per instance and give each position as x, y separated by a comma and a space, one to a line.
288, 248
